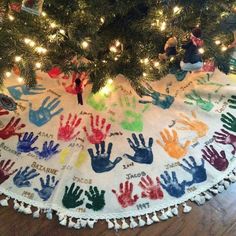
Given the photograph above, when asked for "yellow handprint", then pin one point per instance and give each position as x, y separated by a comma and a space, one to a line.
81, 159
171, 144
63, 155
197, 126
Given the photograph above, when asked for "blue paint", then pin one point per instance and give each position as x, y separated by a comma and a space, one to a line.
48, 150
101, 161
47, 188
23, 177
172, 186
45, 112
25, 142
142, 152
198, 172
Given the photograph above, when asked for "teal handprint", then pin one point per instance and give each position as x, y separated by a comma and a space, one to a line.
195, 98
232, 102
229, 121
96, 199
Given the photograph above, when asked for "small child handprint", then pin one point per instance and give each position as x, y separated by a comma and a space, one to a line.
232, 102
5, 168
25, 142
48, 150
229, 121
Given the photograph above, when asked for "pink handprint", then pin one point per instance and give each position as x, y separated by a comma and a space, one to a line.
125, 196
3, 112
11, 128
98, 133
151, 190
71, 87
67, 132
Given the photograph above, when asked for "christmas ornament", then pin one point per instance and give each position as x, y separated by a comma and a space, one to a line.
54, 72
15, 6
170, 49
33, 6
208, 66
7, 102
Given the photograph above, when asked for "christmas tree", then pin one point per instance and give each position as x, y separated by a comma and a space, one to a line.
139, 39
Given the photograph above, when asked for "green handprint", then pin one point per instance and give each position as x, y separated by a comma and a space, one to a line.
205, 105
96, 199
97, 101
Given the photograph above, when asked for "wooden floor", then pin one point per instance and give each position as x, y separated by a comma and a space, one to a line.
217, 217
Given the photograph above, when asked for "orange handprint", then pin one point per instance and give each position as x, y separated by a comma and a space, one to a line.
195, 125
172, 145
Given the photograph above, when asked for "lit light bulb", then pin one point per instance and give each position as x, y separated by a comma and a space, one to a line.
163, 26
117, 43
44, 14
105, 90
27, 41
41, 50
172, 59
146, 60
53, 25
62, 31
160, 12
176, 10
38, 65
20, 80
113, 49
102, 19
224, 48
116, 58
11, 18
110, 81
217, 42
144, 74
201, 50
85, 44
17, 58
231, 67
156, 64
32, 43
8, 74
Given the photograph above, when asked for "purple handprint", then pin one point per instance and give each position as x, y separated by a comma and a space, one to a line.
226, 138
216, 159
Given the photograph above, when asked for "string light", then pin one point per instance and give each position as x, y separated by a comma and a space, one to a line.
146, 60
53, 25
41, 50
20, 80
113, 49
156, 64
217, 42
18, 58
32, 43
8, 74
163, 26
62, 31
44, 14
38, 65
201, 50
172, 59
85, 44
11, 18
110, 81
118, 43
223, 48
27, 41
176, 10
102, 19
144, 74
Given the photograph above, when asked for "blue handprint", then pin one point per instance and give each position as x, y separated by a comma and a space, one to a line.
17, 91
21, 179
25, 143
101, 162
172, 186
161, 100
198, 172
48, 150
45, 112
47, 187
142, 153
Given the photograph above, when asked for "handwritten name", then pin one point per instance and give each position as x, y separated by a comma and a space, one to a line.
82, 180
143, 206
128, 165
192, 189
115, 134
28, 194
132, 176
195, 145
56, 94
172, 165
45, 135
85, 113
183, 88
209, 141
44, 168
8, 149
81, 209
224, 106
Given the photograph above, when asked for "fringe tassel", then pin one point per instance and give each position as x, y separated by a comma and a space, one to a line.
175, 210
63, 221
149, 220
27, 210
77, 225
116, 225
36, 214
91, 223
110, 224
71, 223
155, 218
21, 208
141, 222
169, 213
16, 204
83, 223
4, 202
187, 208
133, 224
49, 214
124, 224
163, 215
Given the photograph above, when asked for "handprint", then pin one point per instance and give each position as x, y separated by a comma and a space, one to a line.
151, 190
70, 88
48, 150
172, 186
3, 112
142, 153
229, 121
11, 128
99, 134
172, 145
197, 126
97, 199
194, 97
158, 99
26, 141
97, 101
67, 132
46, 187
71, 198
226, 138
232, 102
45, 112
125, 198
17, 91
22, 177
101, 162
198, 172
5, 167
217, 160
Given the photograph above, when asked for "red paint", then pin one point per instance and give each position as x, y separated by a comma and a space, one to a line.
3, 112
99, 132
125, 198
54, 72
5, 167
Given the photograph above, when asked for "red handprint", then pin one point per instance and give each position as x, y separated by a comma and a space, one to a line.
5, 168
67, 132
11, 128
98, 134
150, 189
3, 112
125, 196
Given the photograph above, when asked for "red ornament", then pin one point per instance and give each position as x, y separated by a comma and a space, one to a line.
15, 6
208, 66
54, 72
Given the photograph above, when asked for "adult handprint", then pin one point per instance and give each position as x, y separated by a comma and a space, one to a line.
97, 199
26, 141
48, 150
142, 153
67, 132
11, 128
71, 198
101, 162
158, 99
198, 172
229, 121
46, 187
216, 159
5, 167
172, 145
22, 177
194, 97
125, 198
232, 102
172, 186
3, 112
151, 190
99, 132
45, 112
195, 125
226, 138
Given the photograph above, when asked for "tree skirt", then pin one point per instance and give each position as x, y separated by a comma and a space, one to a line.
118, 155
